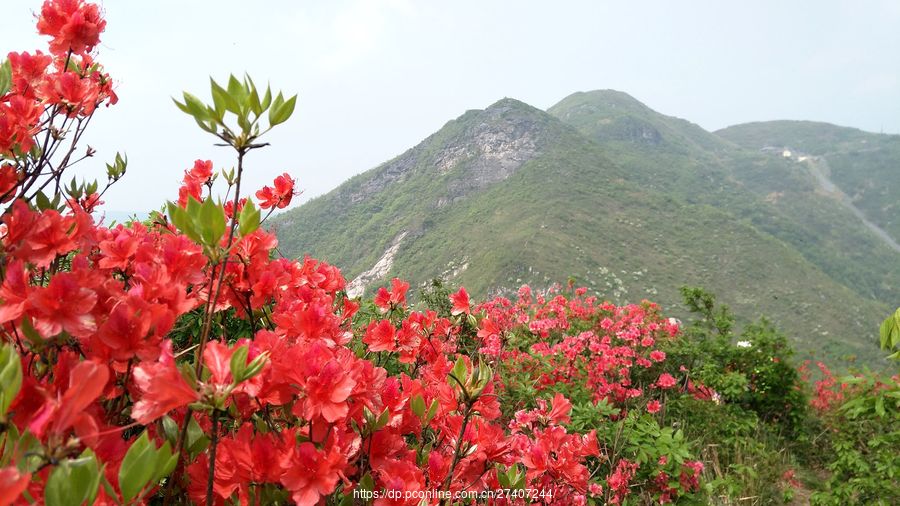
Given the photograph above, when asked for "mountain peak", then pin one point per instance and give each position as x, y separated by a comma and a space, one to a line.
610, 115
608, 98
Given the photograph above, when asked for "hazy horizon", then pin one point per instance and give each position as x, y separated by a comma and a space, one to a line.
375, 77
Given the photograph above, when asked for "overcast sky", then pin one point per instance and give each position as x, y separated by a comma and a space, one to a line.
376, 77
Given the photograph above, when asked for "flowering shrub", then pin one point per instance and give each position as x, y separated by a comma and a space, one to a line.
179, 357
861, 414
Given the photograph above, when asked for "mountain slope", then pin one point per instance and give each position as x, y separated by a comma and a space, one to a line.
779, 196
866, 166
632, 208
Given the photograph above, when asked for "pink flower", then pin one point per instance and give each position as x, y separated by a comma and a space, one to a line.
665, 381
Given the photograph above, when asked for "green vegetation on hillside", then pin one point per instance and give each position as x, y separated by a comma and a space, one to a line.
629, 202
866, 166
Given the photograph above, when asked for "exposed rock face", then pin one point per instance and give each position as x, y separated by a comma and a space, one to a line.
504, 139
489, 147
356, 287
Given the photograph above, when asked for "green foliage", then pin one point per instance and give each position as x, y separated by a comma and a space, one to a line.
890, 335
73, 482
754, 370
144, 464
10, 377
865, 463
862, 164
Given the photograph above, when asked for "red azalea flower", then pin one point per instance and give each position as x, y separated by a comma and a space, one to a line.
665, 380
73, 25
63, 305
28, 72
381, 336
87, 380
325, 383
460, 302
280, 196
161, 386
313, 473
384, 299
12, 484
18, 123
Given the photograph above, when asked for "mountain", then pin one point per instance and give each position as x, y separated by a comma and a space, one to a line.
631, 203
865, 166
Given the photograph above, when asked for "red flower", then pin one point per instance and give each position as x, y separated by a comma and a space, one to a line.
653, 406
280, 196
381, 336
14, 292
193, 181
28, 72
201, 171
326, 384
560, 408
313, 473
12, 484
396, 297
161, 386
73, 25
87, 380
63, 305
665, 381
460, 302
18, 124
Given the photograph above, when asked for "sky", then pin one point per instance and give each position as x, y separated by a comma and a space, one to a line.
375, 77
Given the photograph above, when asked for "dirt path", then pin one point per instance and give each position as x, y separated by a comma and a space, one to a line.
818, 167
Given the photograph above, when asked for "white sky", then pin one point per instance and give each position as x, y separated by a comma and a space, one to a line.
377, 76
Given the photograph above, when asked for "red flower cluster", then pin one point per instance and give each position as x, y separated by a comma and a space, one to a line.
73, 25
67, 80
280, 196
253, 378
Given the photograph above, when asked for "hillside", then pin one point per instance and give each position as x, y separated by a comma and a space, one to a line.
865, 166
629, 202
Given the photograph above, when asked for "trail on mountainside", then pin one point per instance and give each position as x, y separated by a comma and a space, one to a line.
818, 167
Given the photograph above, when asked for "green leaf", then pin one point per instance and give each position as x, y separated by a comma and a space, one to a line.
182, 220
383, 419
267, 99
283, 111
417, 403
459, 372
5, 77
879, 406
166, 459
170, 429
195, 107
30, 333
211, 218
367, 483
256, 365
10, 377
432, 411
238, 91
248, 221
137, 467
73, 482
43, 203
239, 363
222, 100
196, 440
